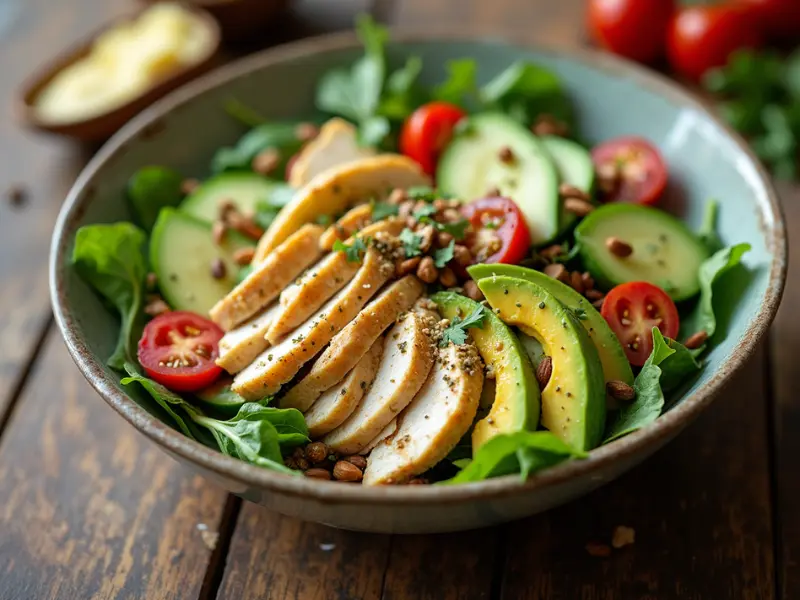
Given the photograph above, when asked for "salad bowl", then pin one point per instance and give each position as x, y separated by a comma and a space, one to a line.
611, 98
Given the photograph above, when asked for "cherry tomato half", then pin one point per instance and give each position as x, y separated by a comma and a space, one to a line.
427, 131
178, 350
641, 172
703, 37
779, 19
500, 234
632, 310
636, 29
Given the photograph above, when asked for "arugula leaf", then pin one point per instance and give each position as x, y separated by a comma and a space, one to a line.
456, 331
523, 452
461, 82
289, 423
411, 242
171, 402
708, 230
353, 252
677, 367
280, 136
150, 189
383, 210
444, 255
427, 210
111, 259
649, 401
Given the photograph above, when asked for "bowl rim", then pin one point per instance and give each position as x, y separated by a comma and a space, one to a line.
648, 438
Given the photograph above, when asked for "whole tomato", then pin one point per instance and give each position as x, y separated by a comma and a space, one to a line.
702, 37
636, 29
780, 19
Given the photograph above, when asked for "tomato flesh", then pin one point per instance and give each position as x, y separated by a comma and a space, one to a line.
642, 172
636, 29
632, 310
779, 19
500, 234
427, 131
178, 350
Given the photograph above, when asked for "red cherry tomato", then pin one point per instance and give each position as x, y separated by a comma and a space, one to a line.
427, 131
703, 37
500, 234
641, 172
636, 29
632, 310
779, 19
178, 350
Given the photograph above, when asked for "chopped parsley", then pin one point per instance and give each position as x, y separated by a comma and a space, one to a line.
444, 255
411, 242
457, 229
422, 192
456, 332
580, 313
352, 251
382, 210
426, 211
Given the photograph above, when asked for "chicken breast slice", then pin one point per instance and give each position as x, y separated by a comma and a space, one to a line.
320, 283
434, 422
268, 278
338, 403
407, 360
243, 343
335, 190
385, 432
278, 364
336, 144
352, 342
354, 219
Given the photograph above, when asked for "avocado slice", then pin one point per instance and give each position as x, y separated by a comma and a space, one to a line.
516, 399
615, 364
573, 401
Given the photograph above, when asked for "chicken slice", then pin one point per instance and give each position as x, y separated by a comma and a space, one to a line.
385, 433
407, 360
268, 278
335, 405
242, 344
353, 220
350, 344
318, 284
431, 426
336, 144
280, 363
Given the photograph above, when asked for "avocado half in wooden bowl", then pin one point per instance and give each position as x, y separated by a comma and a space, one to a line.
610, 98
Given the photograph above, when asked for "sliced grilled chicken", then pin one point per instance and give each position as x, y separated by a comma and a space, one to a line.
385, 433
353, 220
407, 360
335, 405
350, 344
242, 344
280, 363
336, 144
335, 190
431, 426
320, 283
268, 278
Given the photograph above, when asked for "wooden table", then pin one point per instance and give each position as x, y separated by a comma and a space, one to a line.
90, 509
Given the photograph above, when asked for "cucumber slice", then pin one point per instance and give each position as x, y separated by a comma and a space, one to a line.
181, 253
471, 166
245, 190
574, 165
150, 189
665, 252
221, 397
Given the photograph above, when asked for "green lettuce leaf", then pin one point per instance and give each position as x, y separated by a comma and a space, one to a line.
279, 136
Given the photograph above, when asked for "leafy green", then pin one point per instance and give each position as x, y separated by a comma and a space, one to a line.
150, 189
456, 331
411, 242
352, 251
458, 229
176, 407
402, 94
426, 210
523, 452
677, 367
423, 192
444, 255
246, 115
112, 259
268, 208
279, 136
461, 83
708, 230
383, 210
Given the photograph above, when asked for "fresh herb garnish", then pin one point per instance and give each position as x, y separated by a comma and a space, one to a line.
383, 210
427, 210
411, 242
456, 331
278, 136
422, 192
444, 255
461, 84
458, 229
352, 251
580, 313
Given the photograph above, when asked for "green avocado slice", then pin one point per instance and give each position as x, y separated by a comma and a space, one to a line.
573, 400
515, 406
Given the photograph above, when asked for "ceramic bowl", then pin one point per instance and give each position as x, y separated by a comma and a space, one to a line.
612, 98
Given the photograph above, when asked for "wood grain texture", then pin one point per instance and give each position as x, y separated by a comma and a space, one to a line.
88, 507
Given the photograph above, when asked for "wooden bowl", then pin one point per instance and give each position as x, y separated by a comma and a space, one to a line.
102, 126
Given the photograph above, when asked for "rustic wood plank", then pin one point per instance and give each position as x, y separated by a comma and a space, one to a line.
786, 381
700, 509
88, 507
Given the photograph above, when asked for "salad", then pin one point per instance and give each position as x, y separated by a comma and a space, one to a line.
424, 285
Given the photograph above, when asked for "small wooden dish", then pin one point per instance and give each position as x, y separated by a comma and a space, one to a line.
102, 126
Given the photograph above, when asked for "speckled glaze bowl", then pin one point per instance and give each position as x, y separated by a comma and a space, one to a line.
612, 97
